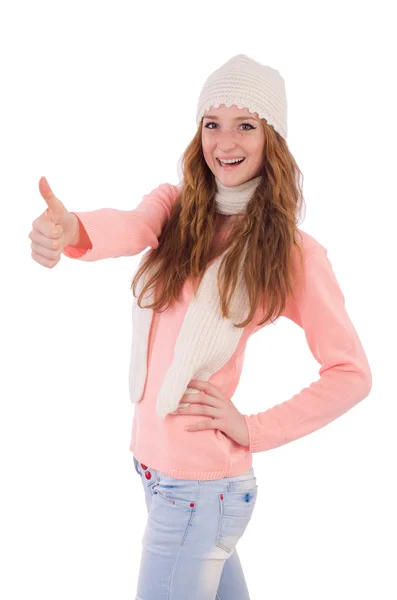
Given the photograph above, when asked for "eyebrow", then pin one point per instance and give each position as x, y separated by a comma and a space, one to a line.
214, 117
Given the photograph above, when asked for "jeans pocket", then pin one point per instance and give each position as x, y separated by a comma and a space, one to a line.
175, 495
242, 485
177, 502
235, 511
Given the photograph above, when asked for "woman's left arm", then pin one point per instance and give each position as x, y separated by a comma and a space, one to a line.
345, 374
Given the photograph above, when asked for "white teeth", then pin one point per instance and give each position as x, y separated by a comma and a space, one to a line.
230, 161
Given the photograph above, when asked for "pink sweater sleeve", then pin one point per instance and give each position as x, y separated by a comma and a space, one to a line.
345, 375
110, 233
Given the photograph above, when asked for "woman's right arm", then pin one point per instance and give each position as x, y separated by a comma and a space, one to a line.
110, 233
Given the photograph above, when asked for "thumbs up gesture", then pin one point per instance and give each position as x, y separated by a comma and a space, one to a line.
54, 229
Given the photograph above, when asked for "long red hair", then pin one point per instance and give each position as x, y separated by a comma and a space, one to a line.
271, 223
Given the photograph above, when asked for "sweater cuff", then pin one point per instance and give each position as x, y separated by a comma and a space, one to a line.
253, 431
74, 251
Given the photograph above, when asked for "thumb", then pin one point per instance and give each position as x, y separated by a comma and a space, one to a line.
55, 207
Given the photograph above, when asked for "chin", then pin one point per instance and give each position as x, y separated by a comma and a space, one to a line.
230, 179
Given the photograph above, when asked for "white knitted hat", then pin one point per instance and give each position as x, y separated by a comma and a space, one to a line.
247, 83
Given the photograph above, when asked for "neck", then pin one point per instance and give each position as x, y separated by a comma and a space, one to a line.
233, 200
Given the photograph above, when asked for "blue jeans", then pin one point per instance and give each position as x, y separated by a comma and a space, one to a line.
189, 541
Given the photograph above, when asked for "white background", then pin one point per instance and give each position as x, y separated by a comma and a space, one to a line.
100, 97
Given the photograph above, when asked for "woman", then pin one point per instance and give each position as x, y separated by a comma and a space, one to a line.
227, 258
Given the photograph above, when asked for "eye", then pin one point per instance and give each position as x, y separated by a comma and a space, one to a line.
242, 124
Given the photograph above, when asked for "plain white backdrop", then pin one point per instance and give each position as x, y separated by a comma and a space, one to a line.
100, 98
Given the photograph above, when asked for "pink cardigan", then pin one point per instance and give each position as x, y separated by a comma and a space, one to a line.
345, 375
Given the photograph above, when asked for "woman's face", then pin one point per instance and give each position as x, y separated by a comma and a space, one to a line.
231, 132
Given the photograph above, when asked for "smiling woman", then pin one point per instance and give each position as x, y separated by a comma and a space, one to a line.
198, 297
262, 194
236, 136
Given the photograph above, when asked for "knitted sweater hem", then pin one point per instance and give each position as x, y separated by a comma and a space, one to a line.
154, 463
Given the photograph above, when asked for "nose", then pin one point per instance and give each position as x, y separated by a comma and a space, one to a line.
226, 141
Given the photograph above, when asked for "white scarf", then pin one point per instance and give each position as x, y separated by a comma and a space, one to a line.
206, 340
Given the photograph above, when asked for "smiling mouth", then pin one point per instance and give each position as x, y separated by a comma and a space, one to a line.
230, 166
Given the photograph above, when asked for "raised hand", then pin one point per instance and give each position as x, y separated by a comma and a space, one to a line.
54, 229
